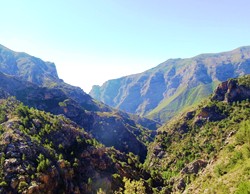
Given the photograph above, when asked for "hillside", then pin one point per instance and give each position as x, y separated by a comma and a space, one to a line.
163, 91
44, 74
203, 150
52, 144
36, 84
207, 150
44, 153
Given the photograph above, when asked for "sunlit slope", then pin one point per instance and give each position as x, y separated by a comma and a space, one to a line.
163, 91
206, 149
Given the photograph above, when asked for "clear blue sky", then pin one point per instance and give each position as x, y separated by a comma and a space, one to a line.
92, 41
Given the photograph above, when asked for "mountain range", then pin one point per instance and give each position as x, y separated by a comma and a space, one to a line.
36, 84
55, 138
163, 91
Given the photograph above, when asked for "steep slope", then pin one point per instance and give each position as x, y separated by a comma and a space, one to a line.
47, 92
163, 91
207, 150
27, 67
34, 70
44, 153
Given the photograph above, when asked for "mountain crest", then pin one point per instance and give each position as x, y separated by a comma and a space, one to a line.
27, 67
163, 91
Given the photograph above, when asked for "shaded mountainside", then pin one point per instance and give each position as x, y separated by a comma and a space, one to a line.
27, 67
32, 69
162, 92
111, 127
44, 153
207, 149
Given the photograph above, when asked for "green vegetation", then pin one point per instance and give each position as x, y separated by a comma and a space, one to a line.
135, 187
205, 149
244, 81
46, 135
176, 84
45, 147
214, 136
182, 100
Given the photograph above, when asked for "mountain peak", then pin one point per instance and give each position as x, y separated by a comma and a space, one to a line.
27, 67
164, 90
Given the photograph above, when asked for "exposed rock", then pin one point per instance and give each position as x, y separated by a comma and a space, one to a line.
209, 114
231, 91
36, 84
14, 183
194, 167
63, 158
181, 185
164, 90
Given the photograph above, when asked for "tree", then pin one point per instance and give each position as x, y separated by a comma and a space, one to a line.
243, 135
135, 187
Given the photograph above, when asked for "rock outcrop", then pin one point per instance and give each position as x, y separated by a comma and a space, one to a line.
232, 91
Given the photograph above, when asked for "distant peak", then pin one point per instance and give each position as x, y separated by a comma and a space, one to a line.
243, 48
4, 47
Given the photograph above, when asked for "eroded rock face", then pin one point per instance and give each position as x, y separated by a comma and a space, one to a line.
194, 167
231, 91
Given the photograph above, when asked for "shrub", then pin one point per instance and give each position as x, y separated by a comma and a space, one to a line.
43, 163
135, 187
243, 135
3, 184
243, 188
22, 185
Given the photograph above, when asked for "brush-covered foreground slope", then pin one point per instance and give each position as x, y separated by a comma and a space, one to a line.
36, 84
162, 92
207, 150
44, 153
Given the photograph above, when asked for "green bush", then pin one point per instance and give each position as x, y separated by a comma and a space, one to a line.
22, 185
3, 184
243, 188
243, 135
43, 163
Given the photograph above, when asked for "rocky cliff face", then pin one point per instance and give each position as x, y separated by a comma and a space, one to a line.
27, 67
232, 91
163, 91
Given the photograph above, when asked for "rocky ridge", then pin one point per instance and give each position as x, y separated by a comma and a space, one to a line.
163, 91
